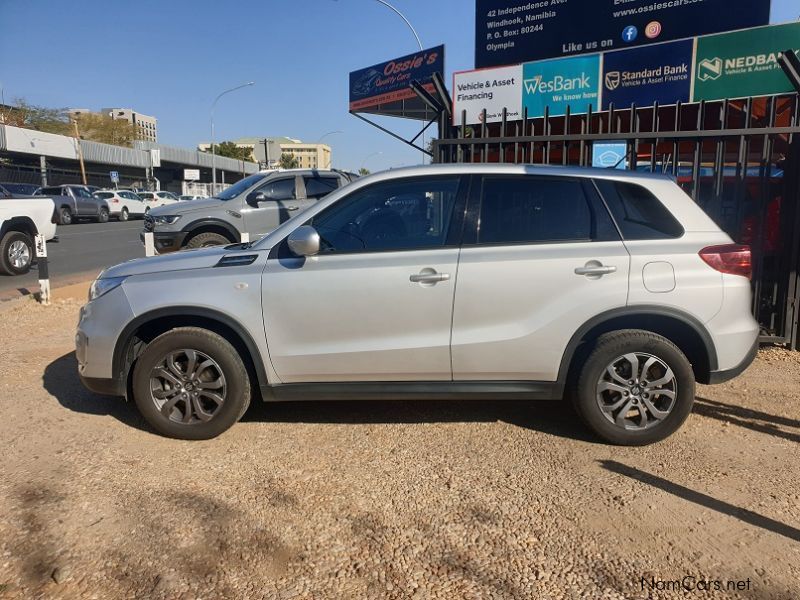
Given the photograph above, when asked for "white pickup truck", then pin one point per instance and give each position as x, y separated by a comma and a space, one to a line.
21, 220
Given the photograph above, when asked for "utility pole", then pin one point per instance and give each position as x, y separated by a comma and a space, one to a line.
80, 150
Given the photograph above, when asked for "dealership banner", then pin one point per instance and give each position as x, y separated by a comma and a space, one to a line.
489, 89
389, 81
661, 73
744, 63
558, 84
516, 31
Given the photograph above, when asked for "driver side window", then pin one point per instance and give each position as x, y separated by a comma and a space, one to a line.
410, 214
278, 190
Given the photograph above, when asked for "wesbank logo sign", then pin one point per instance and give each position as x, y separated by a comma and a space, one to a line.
743, 63
573, 82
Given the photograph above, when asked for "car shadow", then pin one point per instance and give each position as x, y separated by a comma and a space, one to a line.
61, 380
554, 418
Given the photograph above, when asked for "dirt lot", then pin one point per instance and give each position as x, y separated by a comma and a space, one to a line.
388, 500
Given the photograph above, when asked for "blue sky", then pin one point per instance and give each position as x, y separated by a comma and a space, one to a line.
169, 58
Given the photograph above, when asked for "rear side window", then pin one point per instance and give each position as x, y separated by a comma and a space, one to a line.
518, 210
638, 213
105, 195
317, 187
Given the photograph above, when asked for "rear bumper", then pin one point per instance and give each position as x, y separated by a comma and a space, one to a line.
716, 377
169, 241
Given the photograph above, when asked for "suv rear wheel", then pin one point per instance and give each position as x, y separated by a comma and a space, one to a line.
16, 253
65, 215
208, 239
103, 216
191, 384
635, 388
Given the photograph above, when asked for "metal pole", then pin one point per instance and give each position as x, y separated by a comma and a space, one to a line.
330, 159
402, 16
213, 150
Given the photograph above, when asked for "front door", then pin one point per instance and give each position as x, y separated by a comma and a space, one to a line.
84, 201
543, 258
376, 303
272, 203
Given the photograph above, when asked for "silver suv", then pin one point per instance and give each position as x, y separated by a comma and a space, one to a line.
255, 205
612, 289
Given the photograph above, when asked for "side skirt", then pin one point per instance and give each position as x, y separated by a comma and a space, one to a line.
414, 390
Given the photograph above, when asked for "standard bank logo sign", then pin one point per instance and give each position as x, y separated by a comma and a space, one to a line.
556, 84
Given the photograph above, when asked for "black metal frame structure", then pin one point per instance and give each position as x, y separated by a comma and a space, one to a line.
738, 159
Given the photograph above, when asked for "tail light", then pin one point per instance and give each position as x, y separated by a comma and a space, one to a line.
114, 201
732, 259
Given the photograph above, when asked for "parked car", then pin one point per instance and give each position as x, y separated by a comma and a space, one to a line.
75, 202
188, 197
156, 199
17, 190
255, 205
21, 220
610, 288
122, 204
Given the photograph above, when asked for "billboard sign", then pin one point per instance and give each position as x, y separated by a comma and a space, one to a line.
389, 81
744, 63
490, 89
557, 84
511, 31
661, 73
191, 174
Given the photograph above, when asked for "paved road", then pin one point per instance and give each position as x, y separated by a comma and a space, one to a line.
82, 252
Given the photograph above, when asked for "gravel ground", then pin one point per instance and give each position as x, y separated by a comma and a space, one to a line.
388, 500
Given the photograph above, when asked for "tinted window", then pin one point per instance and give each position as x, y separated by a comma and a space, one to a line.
394, 215
51, 191
317, 187
536, 209
278, 189
81, 192
638, 213
105, 195
240, 187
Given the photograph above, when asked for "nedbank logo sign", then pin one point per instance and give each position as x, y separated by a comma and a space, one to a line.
556, 84
743, 63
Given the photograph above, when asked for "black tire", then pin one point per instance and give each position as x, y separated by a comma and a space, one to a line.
644, 403
229, 364
123, 215
103, 216
16, 259
208, 239
65, 216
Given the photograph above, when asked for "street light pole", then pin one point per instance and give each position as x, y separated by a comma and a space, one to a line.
363, 162
319, 141
402, 16
213, 150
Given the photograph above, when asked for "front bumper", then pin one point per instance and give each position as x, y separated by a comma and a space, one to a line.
716, 377
168, 241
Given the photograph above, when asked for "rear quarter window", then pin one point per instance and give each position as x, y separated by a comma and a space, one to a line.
637, 212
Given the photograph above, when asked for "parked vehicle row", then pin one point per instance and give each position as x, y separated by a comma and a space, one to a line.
611, 289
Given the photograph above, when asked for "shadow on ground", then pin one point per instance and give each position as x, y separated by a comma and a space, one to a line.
554, 418
748, 418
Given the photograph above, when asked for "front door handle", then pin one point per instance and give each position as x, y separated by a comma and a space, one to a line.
429, 276
595, 269
293, 208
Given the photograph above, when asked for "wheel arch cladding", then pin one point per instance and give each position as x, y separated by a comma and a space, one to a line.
211, 226
683, 330
146, 327
21, 224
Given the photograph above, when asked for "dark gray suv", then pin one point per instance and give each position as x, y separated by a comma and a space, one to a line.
255, 205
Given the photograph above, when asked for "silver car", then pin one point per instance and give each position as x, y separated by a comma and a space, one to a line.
609, 288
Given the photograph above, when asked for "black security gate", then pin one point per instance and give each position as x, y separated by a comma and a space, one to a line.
738, 159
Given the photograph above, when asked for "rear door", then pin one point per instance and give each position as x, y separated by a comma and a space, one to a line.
541, 257
270, 204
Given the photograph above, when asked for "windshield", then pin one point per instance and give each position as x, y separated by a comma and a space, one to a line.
241, 186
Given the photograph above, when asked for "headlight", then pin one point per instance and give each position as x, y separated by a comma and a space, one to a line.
103, 286
166, 219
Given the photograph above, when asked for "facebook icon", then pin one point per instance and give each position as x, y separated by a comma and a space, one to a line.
630, 33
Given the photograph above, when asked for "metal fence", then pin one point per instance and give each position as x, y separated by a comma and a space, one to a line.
738, 159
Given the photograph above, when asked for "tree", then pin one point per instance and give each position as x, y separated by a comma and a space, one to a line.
363, 172
97, 127
231, 150
288, 161
40, 118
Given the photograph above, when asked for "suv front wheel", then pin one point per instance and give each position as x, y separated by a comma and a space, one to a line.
191, 384
635, 388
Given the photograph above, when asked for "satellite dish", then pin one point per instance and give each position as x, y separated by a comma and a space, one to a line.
274, 150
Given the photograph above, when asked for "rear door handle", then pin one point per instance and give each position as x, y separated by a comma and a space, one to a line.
596, 270
429, 276
293, 208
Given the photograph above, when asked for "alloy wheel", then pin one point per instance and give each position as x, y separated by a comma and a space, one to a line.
188, 386
19, 254
637, 391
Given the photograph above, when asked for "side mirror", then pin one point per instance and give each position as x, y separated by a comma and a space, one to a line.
304, 241
254, 198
